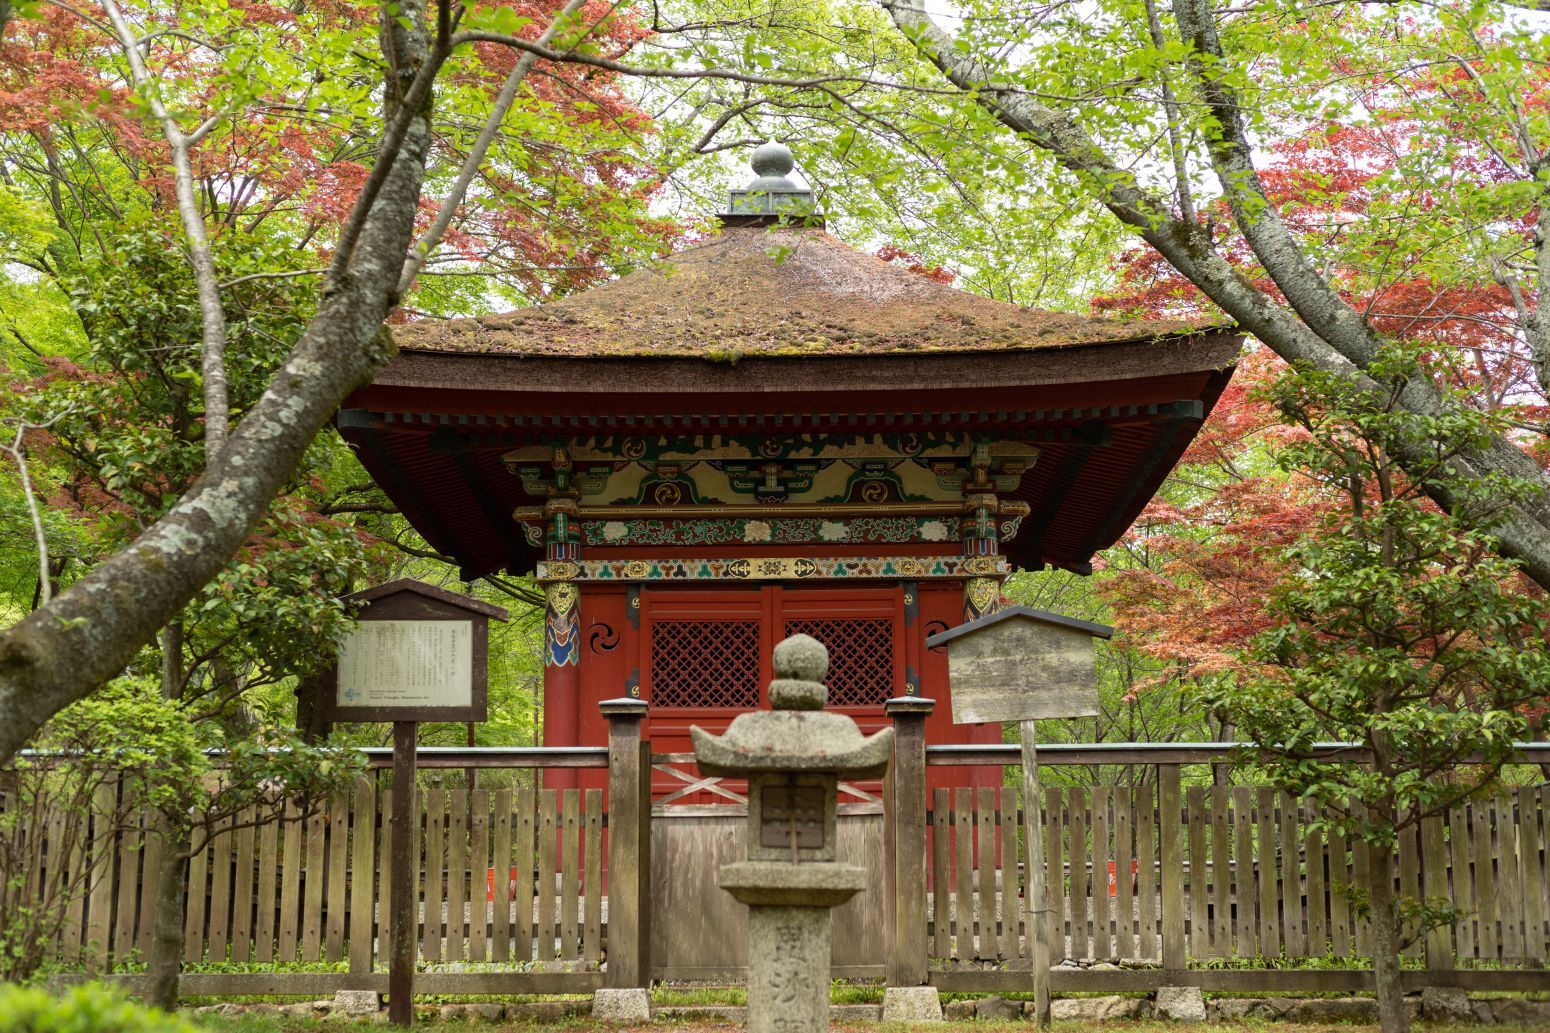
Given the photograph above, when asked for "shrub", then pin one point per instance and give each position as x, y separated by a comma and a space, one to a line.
88, 1008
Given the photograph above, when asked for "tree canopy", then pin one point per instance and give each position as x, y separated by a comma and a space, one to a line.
215, 210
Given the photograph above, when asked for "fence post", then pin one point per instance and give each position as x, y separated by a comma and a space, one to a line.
907, 815
629, 843
1169, 829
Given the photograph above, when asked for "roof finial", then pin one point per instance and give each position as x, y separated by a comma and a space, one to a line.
772, 159
771, 193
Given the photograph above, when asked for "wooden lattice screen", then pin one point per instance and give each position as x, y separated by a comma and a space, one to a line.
700, 663
860, 658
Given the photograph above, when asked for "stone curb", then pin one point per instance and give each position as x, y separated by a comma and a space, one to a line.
1438, 1004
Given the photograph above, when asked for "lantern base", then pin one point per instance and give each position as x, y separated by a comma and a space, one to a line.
777, 884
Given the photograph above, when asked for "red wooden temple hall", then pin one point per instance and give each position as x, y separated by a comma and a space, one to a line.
774, 432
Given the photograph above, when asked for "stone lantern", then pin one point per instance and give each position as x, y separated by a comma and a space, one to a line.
793, 757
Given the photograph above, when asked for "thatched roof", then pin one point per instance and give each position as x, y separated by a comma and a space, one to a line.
758, 291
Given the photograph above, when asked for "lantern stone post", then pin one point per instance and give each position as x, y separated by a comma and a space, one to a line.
793, 757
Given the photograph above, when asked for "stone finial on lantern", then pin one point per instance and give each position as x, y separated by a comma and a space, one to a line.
793, 757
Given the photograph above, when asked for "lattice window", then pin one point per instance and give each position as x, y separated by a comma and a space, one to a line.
860, 658
705, 664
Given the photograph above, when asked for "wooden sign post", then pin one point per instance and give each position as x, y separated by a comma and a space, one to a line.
1020, 664
419, 653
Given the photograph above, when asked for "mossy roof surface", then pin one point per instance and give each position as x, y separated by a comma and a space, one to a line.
773, 291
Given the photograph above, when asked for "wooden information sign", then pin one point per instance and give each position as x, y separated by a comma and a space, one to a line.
418, 653
1020, 664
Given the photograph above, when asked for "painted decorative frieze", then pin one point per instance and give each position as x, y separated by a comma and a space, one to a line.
774, 568
799, 531
807, 468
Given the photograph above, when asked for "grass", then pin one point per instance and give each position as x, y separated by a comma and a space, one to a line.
840, 992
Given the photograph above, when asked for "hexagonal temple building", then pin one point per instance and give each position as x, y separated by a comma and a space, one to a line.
773, 432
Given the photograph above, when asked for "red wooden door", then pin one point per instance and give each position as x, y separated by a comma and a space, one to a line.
706, 657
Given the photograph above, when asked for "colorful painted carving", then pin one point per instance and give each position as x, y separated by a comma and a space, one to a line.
562, 639
873, 469
800, 531
981, 596
776, 568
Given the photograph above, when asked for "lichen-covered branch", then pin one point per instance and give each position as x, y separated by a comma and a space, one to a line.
86, 635
1317, 329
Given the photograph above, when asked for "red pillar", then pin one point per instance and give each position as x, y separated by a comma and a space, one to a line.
562, 674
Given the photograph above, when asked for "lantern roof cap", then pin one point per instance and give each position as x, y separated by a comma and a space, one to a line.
799, 741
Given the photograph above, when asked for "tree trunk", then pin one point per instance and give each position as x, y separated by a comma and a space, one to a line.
1393, 1017
163, 966
310, 724
165, 961
1221, 774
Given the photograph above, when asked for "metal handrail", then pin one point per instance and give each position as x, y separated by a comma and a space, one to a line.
436, 756
1003, 754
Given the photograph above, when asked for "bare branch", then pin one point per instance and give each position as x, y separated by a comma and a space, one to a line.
820, 82
481, 147
17, 450
291, 274
212, 316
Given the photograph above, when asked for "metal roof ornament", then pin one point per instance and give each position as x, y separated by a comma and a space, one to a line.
771, 193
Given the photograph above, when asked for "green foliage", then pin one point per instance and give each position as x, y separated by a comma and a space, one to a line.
1402, 629
88, 1008
101, 759
128, 729
128, 418
26, 231
1400, 625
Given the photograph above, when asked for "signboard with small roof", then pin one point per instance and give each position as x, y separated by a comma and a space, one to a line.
418, 653
1021, 664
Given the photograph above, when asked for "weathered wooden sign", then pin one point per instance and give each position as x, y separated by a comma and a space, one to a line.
416, 663
1021, 664
419, 653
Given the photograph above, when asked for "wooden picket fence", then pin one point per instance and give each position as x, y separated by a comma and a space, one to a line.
512, 876
1256, 881
1225, 888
